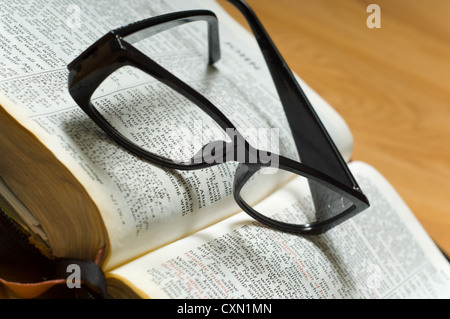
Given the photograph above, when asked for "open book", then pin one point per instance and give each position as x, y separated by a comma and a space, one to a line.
160, 233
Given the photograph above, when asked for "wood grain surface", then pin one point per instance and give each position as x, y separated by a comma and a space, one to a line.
390, 84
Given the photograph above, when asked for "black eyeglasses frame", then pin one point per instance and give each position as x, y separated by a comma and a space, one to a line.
321, 160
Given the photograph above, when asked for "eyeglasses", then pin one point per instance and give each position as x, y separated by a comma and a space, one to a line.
130, 122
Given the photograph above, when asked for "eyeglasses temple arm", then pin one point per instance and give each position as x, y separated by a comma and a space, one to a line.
143, 29
314, 145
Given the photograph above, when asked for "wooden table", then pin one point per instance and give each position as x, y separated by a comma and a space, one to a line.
390, 84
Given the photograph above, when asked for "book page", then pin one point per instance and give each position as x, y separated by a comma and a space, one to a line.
382, 252
143, 206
